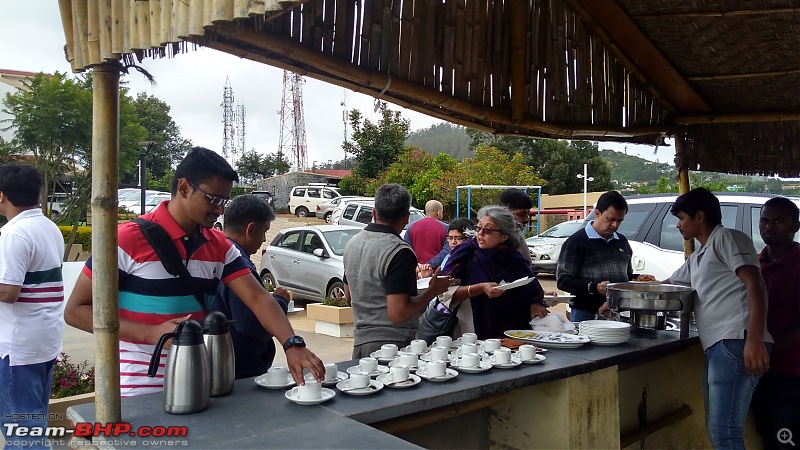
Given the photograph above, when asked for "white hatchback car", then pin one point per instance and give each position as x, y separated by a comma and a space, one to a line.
546, 247
308, 260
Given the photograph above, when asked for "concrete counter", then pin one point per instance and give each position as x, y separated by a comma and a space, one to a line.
575, 399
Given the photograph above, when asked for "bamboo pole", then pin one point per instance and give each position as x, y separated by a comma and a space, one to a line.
760, 117
683, 181
105, 280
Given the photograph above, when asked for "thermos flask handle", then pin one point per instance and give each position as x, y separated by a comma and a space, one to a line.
156, 358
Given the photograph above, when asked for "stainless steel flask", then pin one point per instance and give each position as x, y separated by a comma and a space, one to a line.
217, 336
187, 385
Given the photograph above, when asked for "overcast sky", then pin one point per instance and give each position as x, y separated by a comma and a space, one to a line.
192, 84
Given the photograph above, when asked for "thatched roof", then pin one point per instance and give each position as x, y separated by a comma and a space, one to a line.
723, 76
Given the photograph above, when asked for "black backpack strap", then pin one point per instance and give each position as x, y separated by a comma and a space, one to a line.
167, 252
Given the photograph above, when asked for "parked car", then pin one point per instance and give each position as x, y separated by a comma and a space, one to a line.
132, 201
359, 213
266, 195
337, 211
57, 203
546, 247
308, 260
658, 245
325, 209
303, 200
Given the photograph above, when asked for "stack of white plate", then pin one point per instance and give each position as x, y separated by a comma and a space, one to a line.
605, 332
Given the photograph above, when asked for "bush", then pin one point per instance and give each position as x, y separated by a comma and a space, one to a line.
83, 236
339, 301
71, 379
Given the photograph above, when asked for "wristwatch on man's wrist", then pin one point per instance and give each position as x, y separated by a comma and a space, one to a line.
294, 341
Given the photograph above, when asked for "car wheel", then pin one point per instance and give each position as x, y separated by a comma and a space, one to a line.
268, 280
301, 212
218, 226
328, 218
336, 290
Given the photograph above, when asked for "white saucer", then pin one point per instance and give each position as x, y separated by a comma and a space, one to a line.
482, 349
374, 386
457, 352
449, 375
380, 370
412, 380
340, 376
482, 367
536, 360
426, 357
515, 361
457, 343
410, 368
327, 394
261, 380
384, 359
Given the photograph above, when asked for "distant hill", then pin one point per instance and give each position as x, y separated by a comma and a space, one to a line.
442, 138
628, 168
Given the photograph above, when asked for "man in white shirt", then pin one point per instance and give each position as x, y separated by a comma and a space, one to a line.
31, 298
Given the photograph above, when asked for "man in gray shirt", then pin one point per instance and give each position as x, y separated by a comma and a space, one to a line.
731, 313
380, 277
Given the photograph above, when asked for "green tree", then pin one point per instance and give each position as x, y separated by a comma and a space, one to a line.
252, 166
416, 170
376, 146
168, 146
663, 186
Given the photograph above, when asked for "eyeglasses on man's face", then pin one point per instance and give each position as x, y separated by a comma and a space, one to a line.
486, 230
456, 238
213, 199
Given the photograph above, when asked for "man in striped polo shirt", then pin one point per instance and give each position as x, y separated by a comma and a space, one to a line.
31, 297
152, 302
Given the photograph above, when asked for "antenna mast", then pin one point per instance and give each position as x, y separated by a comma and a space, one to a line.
228, 133
292, 140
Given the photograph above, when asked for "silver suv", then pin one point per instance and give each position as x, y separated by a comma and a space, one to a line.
658, 245
303, 200
359, 214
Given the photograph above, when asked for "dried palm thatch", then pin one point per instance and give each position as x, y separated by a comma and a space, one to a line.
724, 74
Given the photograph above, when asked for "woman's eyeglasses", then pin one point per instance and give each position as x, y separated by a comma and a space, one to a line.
213, 199
457, 238
486, 230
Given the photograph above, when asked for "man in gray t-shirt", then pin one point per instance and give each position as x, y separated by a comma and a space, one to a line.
730, 310
380, 277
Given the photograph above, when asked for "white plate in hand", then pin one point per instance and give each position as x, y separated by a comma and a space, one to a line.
514, 284
422, 283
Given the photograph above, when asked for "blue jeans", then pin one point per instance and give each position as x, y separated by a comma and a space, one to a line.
579, 315
776, 405
728, 390
24, 397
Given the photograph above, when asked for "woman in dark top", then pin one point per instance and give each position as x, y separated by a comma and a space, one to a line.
488, 259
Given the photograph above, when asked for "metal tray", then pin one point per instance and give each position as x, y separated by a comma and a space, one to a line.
637, 296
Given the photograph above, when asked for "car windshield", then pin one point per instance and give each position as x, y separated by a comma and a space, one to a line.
563, 230
338, 239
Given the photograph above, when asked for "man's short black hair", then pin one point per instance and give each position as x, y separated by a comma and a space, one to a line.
245, 209
461, 225
611, 198
787, 205
515, 199
200, 165
21, 183
696, 200
392, 202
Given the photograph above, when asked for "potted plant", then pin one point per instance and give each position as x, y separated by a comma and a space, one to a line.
333, 317
73, 384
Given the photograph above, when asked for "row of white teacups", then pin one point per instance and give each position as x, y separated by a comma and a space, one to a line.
468, 353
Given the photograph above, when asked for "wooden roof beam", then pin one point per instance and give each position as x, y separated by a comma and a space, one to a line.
607, 20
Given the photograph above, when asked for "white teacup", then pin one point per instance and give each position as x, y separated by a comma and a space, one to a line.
368, 365
491, 345
398, 374
435, 369
406, 359
277, 376
331, 371
527, 352
444, 341
469, 338
469, 348
388, 350
419, 346
471, 360
358, 380
502, 356
309, 391
438, 353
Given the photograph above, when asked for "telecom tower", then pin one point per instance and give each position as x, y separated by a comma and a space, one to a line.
228, 119
292, 139
240, 133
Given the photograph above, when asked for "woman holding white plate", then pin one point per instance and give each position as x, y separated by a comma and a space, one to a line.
490, 258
